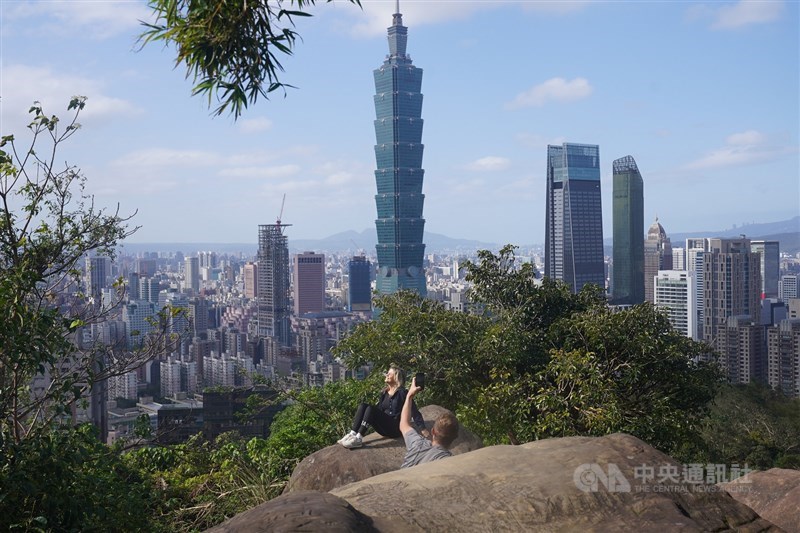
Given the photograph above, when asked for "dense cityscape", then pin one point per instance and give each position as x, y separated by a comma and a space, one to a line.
276, 316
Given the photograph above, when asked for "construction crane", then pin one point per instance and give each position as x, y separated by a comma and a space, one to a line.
283, 202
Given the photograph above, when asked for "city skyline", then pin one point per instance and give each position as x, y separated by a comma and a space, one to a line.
705, 101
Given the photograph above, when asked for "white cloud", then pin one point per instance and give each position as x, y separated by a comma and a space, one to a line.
746, 138
745, 13
54, 91
552, 90
166, 157
339, 178
534, 140
744, 148
81, 18
490, 163
280, 171
254, 125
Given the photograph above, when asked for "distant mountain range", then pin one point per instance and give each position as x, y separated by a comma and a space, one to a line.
787, 232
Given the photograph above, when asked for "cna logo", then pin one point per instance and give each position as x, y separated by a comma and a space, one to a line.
588, 477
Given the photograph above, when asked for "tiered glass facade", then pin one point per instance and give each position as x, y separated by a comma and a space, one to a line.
399, 174
574, 217
628, 219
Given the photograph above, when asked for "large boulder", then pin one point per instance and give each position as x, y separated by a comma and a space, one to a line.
566, 484
774, 494
299, 511
335, 465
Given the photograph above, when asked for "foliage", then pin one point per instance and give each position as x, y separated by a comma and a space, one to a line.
47, 225
231, 49
198, 484
752, 424
539, 361
68, 481
421, 335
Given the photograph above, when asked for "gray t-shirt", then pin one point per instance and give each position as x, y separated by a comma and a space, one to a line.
420, 450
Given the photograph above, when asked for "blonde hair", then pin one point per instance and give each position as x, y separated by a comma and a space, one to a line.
399, 375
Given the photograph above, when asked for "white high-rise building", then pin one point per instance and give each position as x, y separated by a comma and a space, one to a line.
123, 386
675, 293
788, 287
678, 259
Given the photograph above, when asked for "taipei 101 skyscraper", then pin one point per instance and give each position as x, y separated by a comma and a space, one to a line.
398, 153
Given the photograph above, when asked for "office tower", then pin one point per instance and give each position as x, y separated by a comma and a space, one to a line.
789, 287
146, 267
742, 350
674, 292
678, 259
192, 274
273, 283
574, 216
132, 287
399, 174
359, 295
732, 285
657, 256
250, 274
770, 266
695, 249
97, 271
783, 357
138, 316
628, 218
198, 315
149, 289
309, 283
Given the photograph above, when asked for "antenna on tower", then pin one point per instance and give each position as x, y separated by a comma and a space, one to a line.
397, 6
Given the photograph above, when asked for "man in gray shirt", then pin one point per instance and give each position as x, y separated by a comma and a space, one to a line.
420, 449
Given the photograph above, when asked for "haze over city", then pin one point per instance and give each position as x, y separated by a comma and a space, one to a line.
704, 96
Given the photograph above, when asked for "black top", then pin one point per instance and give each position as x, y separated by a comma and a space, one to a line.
393, 406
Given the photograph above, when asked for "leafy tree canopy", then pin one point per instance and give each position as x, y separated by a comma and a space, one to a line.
534, 360
233, 48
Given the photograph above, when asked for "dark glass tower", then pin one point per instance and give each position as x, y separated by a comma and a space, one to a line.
628, 217
574, 217
398, 154
359, 296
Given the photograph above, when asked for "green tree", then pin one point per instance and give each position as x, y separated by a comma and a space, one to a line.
232, 49
534, 360
752, 424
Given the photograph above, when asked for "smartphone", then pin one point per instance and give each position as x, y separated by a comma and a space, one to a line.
419, 379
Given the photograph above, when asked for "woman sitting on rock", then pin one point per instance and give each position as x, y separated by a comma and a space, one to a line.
384, 417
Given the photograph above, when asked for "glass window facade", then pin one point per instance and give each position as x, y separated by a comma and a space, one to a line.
574, 218
399, 175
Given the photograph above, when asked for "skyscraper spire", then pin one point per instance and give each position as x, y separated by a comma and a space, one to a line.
398, 34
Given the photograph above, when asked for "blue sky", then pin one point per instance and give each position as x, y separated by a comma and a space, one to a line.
705, 97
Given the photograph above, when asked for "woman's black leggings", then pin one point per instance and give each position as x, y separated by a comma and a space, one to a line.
382, 423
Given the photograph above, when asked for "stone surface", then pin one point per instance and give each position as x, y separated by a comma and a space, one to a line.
534, 487
299, 511
336, 466
774, 494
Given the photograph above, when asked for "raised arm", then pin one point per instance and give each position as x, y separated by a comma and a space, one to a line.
408, 407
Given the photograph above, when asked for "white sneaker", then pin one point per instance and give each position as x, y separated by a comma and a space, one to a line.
352, 441
341, 441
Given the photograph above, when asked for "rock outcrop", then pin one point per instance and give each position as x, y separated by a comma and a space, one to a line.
336, 466
538, 487
774, 494
567, 484
299, 511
